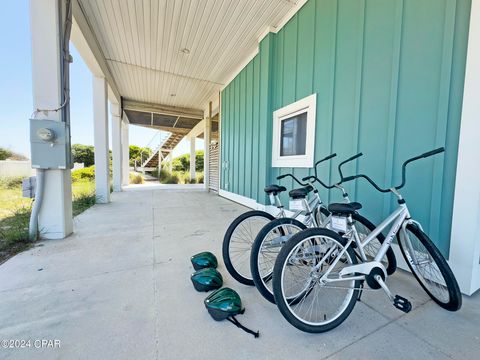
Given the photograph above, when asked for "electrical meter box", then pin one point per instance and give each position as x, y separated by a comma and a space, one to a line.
50, 144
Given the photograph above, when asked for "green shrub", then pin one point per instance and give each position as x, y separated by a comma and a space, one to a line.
168, 178
182, 163
83, 154
11, 182
85, 174
138, 153
5, 153
200, 178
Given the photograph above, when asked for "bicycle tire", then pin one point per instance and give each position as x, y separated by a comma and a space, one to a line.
259, 279
454, 301
283, 260
227, 240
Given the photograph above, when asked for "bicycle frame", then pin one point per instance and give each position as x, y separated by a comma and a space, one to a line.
396, 220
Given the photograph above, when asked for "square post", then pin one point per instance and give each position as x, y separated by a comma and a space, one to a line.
125, 152
116, 146
55, 215
206, 155
100, 139
464, 244
192, 158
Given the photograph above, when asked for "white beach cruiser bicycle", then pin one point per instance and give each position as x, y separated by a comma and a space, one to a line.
276, 233
317, 279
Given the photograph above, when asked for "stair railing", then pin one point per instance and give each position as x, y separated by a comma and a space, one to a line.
161, 137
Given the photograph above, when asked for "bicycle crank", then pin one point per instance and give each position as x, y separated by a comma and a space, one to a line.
398, 301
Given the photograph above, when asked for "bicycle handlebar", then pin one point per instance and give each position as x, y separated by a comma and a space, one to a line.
311, 177
307, 178
404, 168
346, 161
322, 160
293, 177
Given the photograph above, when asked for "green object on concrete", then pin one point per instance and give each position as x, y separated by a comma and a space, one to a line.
207, 279
204, 260
224, 303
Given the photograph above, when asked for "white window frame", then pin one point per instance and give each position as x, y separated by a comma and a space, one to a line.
306, 105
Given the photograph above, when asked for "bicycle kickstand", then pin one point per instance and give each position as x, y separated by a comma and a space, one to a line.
359, 298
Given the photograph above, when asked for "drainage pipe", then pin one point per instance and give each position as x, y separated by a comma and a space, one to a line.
37, 204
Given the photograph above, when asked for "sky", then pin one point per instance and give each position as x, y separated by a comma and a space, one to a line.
16, 100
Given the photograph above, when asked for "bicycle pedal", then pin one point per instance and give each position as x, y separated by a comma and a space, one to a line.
402, 304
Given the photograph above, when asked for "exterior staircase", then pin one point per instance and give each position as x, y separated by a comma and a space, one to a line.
166, 144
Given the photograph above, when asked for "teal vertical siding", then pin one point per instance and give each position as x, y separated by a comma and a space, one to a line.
389, 81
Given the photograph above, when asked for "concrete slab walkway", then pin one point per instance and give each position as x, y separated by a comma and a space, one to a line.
119, 288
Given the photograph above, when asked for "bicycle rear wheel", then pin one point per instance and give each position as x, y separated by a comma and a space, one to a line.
430, 268
237, 243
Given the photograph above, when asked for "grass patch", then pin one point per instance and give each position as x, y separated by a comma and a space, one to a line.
14, 233
136, 178
11, 182
15, 213
83, 193
178, 177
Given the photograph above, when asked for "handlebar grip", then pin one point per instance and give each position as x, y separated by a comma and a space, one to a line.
308, 178
281, 177
330, 156
354, 157
433, 152
349, 178
326, 158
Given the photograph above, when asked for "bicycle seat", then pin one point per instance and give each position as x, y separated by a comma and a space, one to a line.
274, 189
344, 209
300, 193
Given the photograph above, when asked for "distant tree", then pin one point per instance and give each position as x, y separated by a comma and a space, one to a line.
182, 163
138, 153
83, 154
5, 153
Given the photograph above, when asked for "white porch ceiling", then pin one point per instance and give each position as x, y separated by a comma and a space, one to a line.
142, 42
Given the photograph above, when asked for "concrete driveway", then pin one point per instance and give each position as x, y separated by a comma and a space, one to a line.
119, 288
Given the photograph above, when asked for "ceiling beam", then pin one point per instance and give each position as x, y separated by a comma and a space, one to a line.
162, 109
89, 48
197, 130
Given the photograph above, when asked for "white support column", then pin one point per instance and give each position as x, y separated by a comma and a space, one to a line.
116, 146
100, 139
192, 158
170, 162
125, 152
55, 217
206, 155
465, 245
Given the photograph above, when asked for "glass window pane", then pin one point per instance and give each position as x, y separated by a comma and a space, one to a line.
293, 135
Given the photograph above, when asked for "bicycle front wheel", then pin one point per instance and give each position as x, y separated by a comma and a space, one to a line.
237, 243
430, 268
309, 265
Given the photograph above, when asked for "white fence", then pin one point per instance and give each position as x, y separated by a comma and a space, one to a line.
11, 168
14, 168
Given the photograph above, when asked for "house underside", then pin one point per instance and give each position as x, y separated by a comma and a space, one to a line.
272, 87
